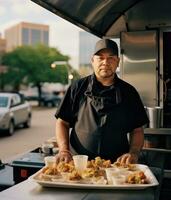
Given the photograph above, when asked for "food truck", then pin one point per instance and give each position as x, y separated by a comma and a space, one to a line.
144, 29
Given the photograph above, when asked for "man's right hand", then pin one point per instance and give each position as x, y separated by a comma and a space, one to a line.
64, 156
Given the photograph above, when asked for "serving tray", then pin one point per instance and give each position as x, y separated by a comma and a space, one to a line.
60, 183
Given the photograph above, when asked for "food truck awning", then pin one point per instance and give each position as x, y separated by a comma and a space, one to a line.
110, 17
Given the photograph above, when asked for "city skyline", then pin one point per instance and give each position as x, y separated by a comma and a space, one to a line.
62, 34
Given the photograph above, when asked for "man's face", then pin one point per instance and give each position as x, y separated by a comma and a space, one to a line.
105, 64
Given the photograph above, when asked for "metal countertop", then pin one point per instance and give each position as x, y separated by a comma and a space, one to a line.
30, 190
158, 131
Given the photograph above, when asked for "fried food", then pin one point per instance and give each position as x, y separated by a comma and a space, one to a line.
99, 162
93, 172
137, 178
65, 167
131, 167
74, 176
50, 171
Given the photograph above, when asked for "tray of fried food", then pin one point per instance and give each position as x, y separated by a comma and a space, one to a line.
99, 173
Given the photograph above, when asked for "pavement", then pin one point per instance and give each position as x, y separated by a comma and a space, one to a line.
26, 139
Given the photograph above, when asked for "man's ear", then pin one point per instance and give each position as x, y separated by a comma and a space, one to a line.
92, 59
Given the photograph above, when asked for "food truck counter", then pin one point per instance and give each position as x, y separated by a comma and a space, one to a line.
158, 131
158, 138
28, 189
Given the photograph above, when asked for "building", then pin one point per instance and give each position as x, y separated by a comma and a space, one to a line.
87, 42
2, 45
26, 33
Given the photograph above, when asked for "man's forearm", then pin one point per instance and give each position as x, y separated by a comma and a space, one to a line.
62, 135
136, 141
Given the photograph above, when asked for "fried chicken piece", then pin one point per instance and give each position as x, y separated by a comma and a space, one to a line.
93, 172
99, 162
50, 171
74, 176
137, 178
65, 167
106, 164
130, 167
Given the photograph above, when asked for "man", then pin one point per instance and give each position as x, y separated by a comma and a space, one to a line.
101, 109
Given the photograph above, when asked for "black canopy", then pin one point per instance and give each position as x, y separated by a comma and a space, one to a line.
110, 17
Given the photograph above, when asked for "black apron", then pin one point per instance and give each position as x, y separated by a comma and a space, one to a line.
99, 129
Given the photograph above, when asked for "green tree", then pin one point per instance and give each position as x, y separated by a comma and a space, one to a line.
29, 64
2, 71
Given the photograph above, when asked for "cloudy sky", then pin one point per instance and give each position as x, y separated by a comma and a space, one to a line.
63, 34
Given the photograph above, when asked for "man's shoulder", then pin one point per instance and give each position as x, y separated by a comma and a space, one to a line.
80, 85
81, 81
126, 85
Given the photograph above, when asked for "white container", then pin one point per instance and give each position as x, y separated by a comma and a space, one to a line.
50, 161
80, 162
111, 172
118, 180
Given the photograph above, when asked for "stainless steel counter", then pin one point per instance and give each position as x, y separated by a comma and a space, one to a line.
29, 190
158, 138
158, 131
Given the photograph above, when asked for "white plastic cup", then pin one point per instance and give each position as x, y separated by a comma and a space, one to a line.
50, 161
80, 162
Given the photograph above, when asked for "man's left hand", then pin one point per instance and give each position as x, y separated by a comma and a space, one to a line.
128, 158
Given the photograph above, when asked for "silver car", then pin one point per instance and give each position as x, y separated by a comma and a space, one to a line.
14, 111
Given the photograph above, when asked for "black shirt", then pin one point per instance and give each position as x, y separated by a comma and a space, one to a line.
120, 98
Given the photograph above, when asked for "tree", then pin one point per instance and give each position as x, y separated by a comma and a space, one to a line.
28, 64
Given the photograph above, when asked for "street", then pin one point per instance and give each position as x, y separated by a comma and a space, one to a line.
24, 140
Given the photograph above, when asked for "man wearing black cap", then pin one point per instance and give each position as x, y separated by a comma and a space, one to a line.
101, 110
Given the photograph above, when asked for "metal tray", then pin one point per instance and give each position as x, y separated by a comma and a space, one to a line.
60, 183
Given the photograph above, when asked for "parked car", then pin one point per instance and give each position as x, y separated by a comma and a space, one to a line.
50, 100
14, 111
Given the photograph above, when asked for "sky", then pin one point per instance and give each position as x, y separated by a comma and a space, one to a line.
63, 35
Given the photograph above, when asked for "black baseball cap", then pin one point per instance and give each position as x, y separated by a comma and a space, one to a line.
106, 44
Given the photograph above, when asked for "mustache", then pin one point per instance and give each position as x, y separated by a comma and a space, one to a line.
104, 65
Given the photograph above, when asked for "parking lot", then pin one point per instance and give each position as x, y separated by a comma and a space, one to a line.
24, 140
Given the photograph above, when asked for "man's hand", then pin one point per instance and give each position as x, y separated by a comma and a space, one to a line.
136, 144
128, 158
64, 156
